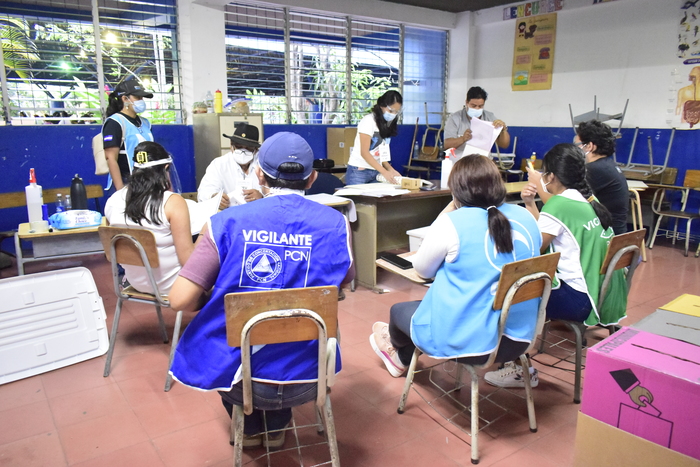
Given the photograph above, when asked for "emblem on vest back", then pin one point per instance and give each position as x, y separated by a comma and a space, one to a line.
263, 265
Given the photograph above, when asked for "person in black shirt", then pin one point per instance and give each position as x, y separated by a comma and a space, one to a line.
124, 129
605, 178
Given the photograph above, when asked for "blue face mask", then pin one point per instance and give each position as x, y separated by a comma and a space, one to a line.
389, 117
139, 106
474, 113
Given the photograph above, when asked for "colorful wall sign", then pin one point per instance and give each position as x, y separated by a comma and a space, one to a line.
532, 9
533, 57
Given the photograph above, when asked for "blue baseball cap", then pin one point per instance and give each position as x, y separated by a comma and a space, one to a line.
286, 147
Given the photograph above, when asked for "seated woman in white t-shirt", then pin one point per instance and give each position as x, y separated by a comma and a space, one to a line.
148, 202
370, 154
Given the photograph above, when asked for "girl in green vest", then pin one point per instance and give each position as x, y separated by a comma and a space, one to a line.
575, 224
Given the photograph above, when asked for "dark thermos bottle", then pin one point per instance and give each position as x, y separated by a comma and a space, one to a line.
78, 194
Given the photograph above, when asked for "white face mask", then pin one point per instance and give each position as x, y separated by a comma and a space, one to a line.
242, 156
544, 185
389, 117
474, 113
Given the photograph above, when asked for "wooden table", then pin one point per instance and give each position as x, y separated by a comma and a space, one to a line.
382, 224
409, 274
57, 244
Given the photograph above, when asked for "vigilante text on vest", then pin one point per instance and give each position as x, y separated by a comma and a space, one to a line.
263, 236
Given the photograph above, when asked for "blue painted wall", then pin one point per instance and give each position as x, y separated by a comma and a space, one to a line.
57, 152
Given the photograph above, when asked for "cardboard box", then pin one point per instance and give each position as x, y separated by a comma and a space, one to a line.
339, 144
598, 444
647, 385
411, 183
678, 326
686, 303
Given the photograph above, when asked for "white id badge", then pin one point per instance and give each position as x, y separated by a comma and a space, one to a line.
384, 153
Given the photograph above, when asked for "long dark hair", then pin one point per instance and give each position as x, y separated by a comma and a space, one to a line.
386, 129
115, 103
144, 195
568, 163
476, 182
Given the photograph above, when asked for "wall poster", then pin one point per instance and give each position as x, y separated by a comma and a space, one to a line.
685, 85
533, 55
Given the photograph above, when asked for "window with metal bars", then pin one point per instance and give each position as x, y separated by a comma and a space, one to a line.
56, 69
303, 67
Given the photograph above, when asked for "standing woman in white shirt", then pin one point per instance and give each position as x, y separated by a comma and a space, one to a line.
148, 202
370, 154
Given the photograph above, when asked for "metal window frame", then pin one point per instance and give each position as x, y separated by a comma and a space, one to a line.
160, 62
349, 21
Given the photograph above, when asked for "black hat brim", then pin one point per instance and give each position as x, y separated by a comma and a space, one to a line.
148, 95
243, 141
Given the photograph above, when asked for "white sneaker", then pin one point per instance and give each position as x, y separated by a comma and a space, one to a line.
511, 376
381, 343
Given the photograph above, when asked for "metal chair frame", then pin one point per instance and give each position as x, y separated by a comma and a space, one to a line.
506, 161
326, 373
631, 253
689, 183
109, 242
510, 299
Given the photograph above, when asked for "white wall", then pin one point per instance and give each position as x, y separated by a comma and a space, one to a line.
615, 50
202, 52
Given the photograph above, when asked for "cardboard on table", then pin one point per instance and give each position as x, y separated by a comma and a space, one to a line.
677, 326
647, 385
339, 143
686, 304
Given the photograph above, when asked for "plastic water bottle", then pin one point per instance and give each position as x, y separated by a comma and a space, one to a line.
416, 150
35, 198
78, 194
209, 99
60, 206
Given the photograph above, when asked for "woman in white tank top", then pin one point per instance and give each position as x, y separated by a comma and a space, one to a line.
148, 202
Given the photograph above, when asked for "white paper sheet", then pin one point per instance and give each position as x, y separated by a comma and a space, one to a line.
327, 200
484, 134
202, 211
377, 190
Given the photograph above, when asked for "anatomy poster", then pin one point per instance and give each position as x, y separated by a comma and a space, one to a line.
686, 78
533, 57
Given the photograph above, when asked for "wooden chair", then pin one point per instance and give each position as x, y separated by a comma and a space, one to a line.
520, 281
136, 247
690, 182
623, 252
278, 316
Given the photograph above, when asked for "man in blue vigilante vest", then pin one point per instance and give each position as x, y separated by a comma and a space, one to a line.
281, 241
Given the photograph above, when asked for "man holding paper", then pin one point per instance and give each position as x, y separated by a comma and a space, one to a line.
458, 128
234, 172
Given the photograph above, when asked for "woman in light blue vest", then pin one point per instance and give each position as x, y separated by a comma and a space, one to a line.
124, 129
464, 250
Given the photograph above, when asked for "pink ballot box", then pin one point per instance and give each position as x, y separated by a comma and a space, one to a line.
647, 385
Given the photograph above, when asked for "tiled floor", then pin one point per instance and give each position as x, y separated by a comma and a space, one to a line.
74, 416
